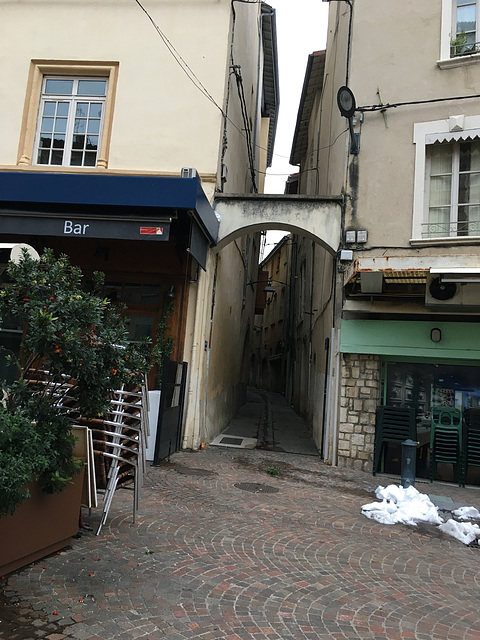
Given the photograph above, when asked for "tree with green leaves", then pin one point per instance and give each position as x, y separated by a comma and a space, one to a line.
74, 343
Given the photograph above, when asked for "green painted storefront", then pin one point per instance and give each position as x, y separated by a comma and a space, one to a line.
460, 341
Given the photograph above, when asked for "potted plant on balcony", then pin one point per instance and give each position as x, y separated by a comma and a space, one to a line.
74, 344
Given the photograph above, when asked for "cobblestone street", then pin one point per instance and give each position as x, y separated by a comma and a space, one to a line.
223, 549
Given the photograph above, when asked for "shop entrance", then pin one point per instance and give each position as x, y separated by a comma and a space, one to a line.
427, 387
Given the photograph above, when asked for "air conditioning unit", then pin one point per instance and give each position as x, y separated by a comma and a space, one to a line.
188, 172
451, 295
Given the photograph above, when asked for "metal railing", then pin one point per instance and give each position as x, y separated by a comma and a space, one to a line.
450, 229
463, 48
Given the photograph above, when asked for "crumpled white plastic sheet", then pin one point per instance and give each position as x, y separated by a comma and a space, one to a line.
399, 505
467, 513
466, 532
409, 506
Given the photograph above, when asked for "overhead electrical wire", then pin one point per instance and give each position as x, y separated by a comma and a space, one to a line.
382, 107
200, 86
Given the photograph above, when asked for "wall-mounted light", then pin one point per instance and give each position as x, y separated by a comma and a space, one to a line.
170, 293
268, 290
435, 335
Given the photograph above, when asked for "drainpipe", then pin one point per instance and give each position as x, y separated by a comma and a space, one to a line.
350, 21
326, 439
310, 328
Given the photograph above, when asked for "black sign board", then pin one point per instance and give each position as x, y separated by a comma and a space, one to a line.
73, 227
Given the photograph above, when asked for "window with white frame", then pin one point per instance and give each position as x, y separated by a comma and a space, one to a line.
453, 189
460, 33
70, 121
464, 35
447, 179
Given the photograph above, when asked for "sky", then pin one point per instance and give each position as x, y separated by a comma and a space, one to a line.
301, 29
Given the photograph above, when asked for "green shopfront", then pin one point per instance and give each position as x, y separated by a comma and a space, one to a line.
419, 364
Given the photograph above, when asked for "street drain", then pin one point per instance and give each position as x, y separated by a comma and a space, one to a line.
191, 471
255, 487
235, 441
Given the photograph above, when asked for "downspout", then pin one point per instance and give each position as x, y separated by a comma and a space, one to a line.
325, 395
326, 439
335, 343
350, 22
310, 328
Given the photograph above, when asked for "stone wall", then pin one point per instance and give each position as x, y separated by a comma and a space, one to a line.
359, 394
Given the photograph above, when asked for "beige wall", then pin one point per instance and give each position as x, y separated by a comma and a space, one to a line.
399, 53
161, 121
402, 71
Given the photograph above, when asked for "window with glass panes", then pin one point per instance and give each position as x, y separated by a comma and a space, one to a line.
70, 121
453, 171
466, 40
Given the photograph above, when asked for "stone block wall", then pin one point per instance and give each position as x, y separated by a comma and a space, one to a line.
360, 387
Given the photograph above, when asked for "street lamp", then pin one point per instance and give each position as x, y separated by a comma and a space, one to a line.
268, 290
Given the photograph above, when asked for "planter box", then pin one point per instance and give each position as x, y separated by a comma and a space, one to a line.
43, 524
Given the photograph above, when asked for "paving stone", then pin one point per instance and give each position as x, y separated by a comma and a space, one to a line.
298, 564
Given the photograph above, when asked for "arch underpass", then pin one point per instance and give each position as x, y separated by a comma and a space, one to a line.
316, 217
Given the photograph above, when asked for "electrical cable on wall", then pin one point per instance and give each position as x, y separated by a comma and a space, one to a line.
200, 86
243, 105
382, 107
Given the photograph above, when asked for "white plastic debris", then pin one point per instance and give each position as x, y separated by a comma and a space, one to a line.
467, 513
409, 506
463, 531
399, 505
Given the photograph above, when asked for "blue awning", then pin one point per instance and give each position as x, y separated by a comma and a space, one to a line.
153, 195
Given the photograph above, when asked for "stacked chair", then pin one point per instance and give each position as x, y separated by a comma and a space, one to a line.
119, 438
123, 441
393, 425
471, 442
446, 440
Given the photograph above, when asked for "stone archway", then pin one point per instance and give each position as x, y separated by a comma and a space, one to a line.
314, 217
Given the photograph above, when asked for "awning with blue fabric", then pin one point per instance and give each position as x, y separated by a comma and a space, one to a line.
115, 206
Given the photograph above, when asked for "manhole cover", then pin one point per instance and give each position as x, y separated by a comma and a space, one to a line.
255, 487
191, 471
227, 440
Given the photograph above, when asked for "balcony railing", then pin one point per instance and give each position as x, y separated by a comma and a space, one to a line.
450, 229
463, 48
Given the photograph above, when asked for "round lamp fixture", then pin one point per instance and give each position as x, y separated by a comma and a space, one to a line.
346, 102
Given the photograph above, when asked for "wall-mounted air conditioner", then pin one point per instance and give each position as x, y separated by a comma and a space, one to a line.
441, 295
188, 172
